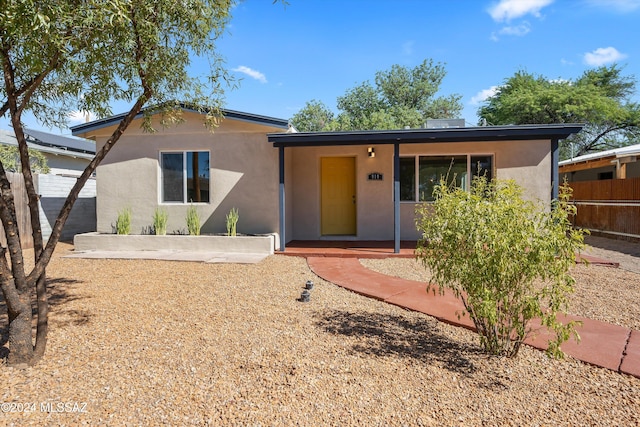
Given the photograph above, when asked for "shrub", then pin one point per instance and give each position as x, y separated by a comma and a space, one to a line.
193, 221
507, 259
232, 222
160, 218
123, 223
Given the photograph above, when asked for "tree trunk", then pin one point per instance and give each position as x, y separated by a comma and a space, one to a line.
43, 317
20, 341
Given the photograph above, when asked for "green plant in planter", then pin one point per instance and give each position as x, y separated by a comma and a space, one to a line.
506, 258
123, 223
193, 221
160, 218
232, 222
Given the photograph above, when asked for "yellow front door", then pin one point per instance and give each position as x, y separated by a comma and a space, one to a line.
338, 195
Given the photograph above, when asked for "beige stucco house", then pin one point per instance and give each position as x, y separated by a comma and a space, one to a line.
307, 186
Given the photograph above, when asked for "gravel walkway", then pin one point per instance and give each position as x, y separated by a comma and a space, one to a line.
171, 343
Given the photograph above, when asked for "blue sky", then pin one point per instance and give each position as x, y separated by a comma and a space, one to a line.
317, 49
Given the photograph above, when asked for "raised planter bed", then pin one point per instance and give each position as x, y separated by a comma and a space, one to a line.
264, 243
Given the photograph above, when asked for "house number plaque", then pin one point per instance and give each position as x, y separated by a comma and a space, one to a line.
375, 176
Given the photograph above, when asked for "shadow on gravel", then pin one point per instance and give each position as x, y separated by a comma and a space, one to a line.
622, 246
388, 335
58, 296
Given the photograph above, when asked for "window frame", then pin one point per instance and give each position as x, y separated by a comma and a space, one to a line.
184, 177
416, 177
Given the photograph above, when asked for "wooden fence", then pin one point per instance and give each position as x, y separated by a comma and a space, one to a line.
22, 211
53, 191
609, 206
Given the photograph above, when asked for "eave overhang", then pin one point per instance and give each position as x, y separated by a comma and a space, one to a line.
228, 114
422, 136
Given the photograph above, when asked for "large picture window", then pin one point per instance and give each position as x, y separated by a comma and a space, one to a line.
424, 173
185, 176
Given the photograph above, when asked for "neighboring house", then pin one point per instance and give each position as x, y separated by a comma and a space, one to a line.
606, 191
307, 186
618, 163
66, 157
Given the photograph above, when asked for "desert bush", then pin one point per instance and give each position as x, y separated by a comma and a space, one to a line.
232, 222
123, 222
506, 258
160, 219
193, 221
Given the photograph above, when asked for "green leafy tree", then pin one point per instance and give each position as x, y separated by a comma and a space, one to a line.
313, 117
60, 56
600, 98
10, 159
506, 258
401, 97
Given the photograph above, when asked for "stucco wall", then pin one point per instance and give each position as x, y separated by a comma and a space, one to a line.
527, 162
243, 172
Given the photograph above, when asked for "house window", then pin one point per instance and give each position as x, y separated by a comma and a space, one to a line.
605, 175
185, 176
407, 178
424, 173
432, 168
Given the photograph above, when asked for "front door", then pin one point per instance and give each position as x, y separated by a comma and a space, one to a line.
338, 195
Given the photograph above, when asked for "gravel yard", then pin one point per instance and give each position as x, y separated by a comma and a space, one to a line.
176, 343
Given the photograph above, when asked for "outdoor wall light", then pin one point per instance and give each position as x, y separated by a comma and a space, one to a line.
371, 151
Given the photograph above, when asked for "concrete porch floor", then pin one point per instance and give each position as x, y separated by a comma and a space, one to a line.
349, 249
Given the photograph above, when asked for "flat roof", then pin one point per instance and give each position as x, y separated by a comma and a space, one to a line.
230, 114
414, 136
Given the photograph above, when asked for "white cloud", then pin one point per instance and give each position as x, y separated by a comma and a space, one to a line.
254, 74
82, 116
517, 30
506, 10
603, 55
482, 96
621, 6
565, 62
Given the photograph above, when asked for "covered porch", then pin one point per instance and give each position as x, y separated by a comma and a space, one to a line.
528, 154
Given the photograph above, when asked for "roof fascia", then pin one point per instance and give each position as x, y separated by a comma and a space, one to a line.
414, 136
230, 114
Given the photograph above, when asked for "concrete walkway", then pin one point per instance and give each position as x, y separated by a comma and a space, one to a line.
602, 344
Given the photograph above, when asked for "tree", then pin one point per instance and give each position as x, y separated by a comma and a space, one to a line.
600, 98
401, 97
507, 259
70, 55
10, 159
313, 117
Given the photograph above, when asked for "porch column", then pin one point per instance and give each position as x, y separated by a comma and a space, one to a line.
555, 175
396, 197
281, 199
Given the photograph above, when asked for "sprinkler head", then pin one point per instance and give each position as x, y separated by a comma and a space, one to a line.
305, 296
